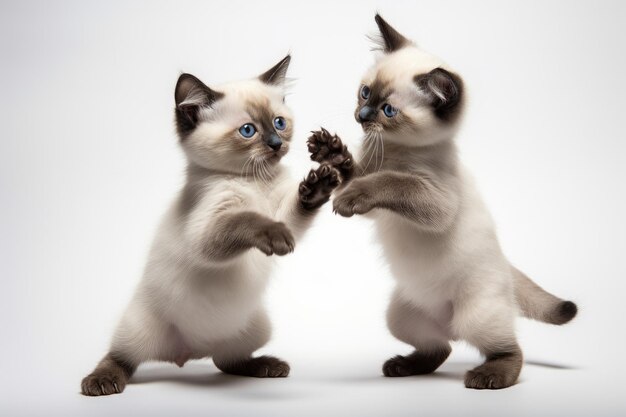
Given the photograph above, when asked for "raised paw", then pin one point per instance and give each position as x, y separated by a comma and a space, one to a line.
261, 367
103, 382
274, 239
316, 188
328, 148
355, 199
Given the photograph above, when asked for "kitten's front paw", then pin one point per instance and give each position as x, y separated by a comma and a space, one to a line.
328, 148
355, 199
275, 239
315, 189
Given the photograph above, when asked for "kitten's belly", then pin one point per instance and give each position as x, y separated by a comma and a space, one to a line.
423, 264
208, 305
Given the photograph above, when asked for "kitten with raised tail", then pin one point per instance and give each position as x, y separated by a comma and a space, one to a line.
452, 280
201, 292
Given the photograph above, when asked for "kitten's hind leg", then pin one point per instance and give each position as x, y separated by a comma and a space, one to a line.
234, 356
488, 324
139, 337
500, 370
411, 325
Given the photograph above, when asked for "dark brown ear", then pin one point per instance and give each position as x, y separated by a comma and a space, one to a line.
445, 90
190, 95
392, 38
276, 74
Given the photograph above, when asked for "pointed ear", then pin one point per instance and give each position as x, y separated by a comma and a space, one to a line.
445, 90
392, 38
190, 95
276, 74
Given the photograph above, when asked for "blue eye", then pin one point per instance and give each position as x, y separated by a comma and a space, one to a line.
365, 92
389, 110
280, 123
247, 131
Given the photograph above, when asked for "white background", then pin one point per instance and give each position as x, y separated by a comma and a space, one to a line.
89, 161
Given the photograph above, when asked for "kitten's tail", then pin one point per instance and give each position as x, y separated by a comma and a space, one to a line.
538, 304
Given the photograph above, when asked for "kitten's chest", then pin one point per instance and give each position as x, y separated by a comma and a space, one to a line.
421, 261
239, 195
263, 199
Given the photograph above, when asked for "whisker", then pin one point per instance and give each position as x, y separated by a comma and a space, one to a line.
246, 167
268, 170
364, 151
255, 171
369, 150
376, 149
266, 173
251, 168
382, 150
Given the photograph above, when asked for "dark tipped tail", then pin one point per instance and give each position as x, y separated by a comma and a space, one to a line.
566, 311
538, 304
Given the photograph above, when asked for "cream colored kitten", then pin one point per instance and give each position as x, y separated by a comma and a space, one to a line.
452, 280
201, 293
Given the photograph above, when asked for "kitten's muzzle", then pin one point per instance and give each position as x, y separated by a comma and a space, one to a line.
366, 114
273, 141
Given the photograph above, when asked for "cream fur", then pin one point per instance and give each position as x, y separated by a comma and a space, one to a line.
188, 305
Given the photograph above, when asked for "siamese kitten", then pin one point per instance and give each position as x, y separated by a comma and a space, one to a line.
452, 280
201, 293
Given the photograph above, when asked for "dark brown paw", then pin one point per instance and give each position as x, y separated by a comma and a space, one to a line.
417, 363
354, 199
274, 239
489, 378
103, 383
328, 148
315, 189
500, 370
261, 367
397, 366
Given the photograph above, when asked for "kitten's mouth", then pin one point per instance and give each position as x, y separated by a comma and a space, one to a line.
274, 156
370, 127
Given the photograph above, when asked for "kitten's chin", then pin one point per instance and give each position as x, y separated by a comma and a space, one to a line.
274, 159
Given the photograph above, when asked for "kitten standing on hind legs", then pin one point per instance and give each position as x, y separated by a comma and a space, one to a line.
452, 279
201, 293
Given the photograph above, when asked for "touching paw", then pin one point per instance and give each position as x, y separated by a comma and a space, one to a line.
355, 199
316, 188
328, 148
275, 239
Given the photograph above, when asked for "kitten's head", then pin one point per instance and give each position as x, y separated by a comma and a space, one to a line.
236, 125
408, 96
